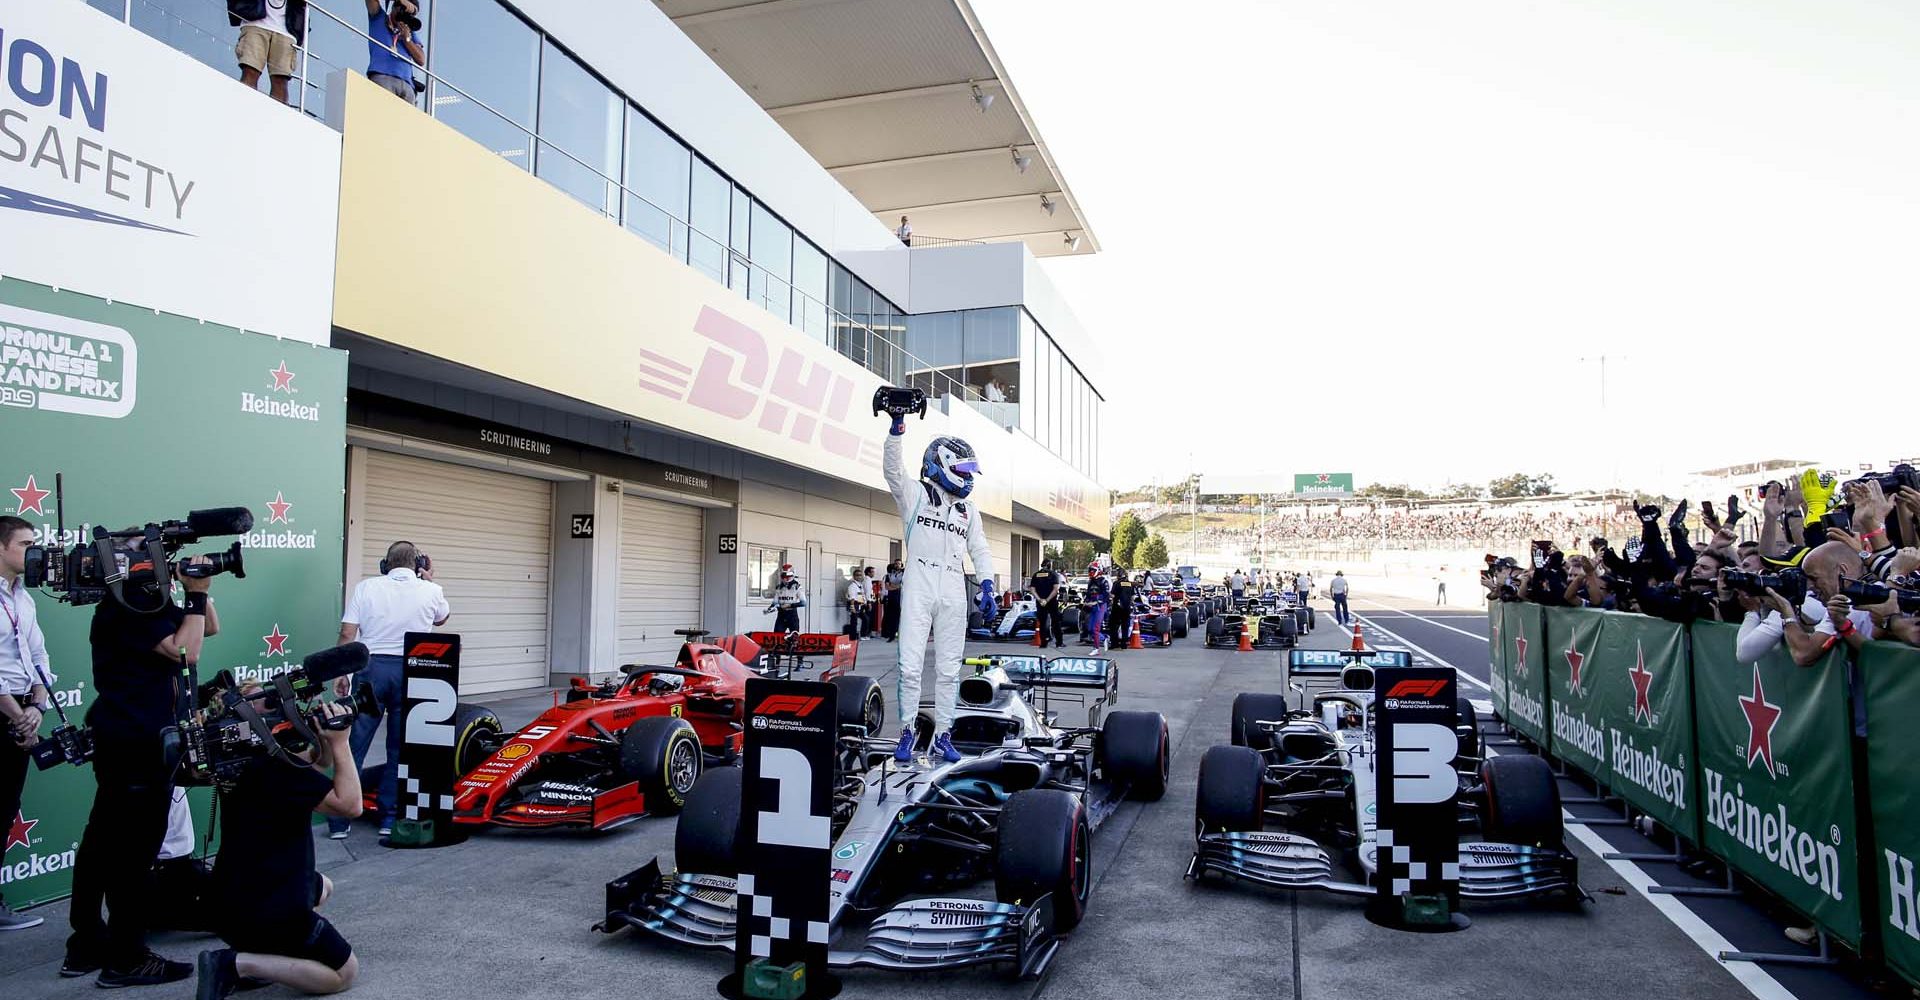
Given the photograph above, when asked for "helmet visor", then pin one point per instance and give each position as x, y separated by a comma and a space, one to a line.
966, 467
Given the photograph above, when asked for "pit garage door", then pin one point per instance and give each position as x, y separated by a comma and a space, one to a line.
660, 577
490, 537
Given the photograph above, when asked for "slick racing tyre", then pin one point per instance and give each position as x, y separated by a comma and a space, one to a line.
1163, 630
861, 703
976, 620
1180, 623
1252, 707
1231, 796
1523, 802
1216, 629
1070, 620
1467, 725
662, 753
477, 733
1289, 627
1133, 751
1043, 849
703, 842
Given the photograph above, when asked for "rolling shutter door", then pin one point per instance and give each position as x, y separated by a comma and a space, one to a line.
660, 577
490, 537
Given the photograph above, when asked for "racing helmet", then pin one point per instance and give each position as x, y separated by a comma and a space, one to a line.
1093, 569
786, 571
949, 463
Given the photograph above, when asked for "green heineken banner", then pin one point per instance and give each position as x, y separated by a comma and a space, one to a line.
1642, 701
1323, 485
1892, 676
1525, 634
1497, 658
1574, 663
149, 416
1776, 779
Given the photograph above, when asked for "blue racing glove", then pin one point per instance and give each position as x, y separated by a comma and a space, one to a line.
899, 425
986, 597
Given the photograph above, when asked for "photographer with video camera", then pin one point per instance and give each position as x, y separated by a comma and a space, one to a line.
139, 639
265, 889
24, 674
382, 610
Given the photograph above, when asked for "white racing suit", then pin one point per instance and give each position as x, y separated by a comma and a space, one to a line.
788, 599
940, 532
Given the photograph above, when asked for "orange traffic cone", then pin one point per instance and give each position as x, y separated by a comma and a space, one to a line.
1359, 644
1039, 635
1133, 639
1246, 638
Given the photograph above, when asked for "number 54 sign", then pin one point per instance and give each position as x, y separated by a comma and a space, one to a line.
425, 771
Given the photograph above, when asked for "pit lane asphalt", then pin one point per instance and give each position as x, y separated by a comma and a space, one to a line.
506, 914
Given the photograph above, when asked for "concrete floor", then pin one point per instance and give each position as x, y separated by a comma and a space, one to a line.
507, 913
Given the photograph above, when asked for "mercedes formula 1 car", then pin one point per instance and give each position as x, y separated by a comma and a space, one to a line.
1015, 622
1018, 809
1310, 772
635, 745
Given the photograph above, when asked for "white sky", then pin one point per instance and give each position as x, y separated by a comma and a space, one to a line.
1388, 224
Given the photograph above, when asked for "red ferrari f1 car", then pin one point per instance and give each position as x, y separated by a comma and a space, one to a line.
634, 745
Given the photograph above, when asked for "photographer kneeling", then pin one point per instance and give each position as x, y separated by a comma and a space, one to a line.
265, 889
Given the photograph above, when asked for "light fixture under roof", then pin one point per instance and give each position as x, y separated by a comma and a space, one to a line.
1047, 204
1072, 241
1021, 161
981, 97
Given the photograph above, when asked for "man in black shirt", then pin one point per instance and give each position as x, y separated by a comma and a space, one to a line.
1046, 599
1124, 591
265, 890
137, 648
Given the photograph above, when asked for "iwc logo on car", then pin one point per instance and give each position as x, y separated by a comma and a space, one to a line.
65, 365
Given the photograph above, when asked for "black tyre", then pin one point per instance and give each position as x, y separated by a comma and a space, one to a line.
662, 753
1251, 707
1232, 796
1134, 751
477, 733
1044, 849
976, 620
704, 840
1311, 619
1523, 802
861, 703
1070, 620
1289, 626
1216, 629
1180, 625
1163, 629
1467, 724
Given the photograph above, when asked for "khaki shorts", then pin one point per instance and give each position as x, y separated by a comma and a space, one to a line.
268, 52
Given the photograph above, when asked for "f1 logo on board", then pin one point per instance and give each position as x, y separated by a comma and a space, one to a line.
789, 704
430, 650
1416, 689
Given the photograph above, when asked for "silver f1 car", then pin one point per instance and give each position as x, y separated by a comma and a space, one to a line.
1310, 771
1019, 808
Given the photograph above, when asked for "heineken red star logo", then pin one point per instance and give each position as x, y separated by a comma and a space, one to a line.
277, 508
1326, 477
1520, 646
1762, 716
1575, 659
17, 836
1642, 679
27, 499
276, 642
282, 378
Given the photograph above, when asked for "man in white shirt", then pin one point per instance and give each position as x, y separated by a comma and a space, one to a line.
859, 591
905, 232
1303, 585
270, 33
1338, 589
23, 693
382, 610
1237, 584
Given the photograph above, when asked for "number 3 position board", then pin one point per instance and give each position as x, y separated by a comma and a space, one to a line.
426, 770
1418, 876
786, 835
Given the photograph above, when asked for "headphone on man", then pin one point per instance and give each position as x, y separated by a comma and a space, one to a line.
420, 561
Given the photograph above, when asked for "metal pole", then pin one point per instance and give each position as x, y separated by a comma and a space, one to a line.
1193, 536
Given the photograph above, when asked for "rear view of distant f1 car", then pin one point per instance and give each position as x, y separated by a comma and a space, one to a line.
1017, 810
1290, 802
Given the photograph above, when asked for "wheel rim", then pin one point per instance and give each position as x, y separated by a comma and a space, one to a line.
1082, 863
876, 713
683, 766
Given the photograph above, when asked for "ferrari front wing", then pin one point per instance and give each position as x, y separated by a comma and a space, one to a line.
918, 934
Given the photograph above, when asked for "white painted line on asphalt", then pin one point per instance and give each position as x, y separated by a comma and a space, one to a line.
1748, 974
1403, 640
1430, 621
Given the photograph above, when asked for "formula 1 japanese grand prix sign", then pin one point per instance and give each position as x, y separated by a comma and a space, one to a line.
146, 416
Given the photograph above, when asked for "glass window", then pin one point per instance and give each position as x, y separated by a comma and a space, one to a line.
198, 29
657, 173
992, 335
810, 289
742, 221
763, 571
707, 212
581, 116
492, 55
772, 243
842, 300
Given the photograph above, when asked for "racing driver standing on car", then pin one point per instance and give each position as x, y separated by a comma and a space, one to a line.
942, 529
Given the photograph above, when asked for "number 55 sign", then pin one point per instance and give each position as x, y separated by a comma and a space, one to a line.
425, 771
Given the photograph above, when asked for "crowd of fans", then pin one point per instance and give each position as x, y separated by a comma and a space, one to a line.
272, 32
1375, 524
1821, 563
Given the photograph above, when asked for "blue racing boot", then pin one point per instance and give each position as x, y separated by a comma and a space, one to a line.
904, 751
943, 746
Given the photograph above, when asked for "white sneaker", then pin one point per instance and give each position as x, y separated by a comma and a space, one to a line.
336, 834
11, 921
1802, 935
